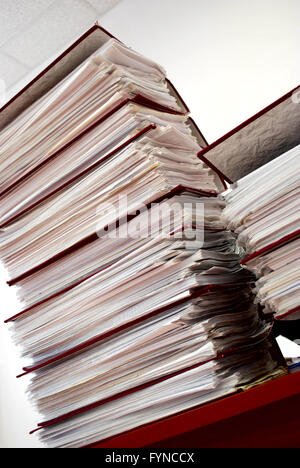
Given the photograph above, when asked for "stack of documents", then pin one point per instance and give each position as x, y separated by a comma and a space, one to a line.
135, 306
263, 210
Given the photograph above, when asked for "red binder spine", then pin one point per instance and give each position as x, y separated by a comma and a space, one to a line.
57, 60
138, 99
176, 191
270, 247
99, 338
243, 409
78, 176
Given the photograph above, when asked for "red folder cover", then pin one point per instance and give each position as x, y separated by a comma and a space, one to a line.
273, 246
80, 174
102, 402
63, 65
87, 240
71, 286
260, 139
126, 392
265, 416
140, 100
99, 338
56, 71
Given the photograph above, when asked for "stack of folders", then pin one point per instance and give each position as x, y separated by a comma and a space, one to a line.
135, 306
263, 210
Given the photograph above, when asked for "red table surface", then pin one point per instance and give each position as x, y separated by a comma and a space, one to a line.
265, 416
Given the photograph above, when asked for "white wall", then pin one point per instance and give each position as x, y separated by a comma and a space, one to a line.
228, 59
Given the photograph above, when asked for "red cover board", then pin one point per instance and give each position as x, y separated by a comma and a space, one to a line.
268, 134
265, 416
4, 119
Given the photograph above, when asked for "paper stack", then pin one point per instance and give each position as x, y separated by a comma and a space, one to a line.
135, 303
263, 210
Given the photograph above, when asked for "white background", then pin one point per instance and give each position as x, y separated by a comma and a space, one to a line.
228, 59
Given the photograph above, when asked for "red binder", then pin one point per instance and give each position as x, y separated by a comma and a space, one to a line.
99, 338
87, 240
185, 429
79, 51
260, 139
140, 100
62, 66
266, 416
275, 245
265, 136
